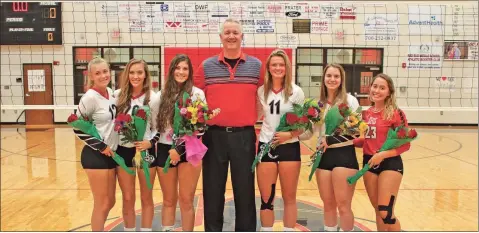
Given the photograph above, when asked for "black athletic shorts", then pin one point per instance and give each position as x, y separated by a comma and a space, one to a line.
339, 157
162, 155
283, 152
390, 164
93, 159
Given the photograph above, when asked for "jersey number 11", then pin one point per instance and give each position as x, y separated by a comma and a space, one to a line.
272, 105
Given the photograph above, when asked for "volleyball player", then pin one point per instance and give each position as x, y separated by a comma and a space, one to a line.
98, 105
135, 90
339, 160
277, 96
383, 179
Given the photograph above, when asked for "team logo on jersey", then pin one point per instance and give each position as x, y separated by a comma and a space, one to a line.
372, 121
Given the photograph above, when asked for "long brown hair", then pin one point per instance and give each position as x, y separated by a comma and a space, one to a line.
390, 102
124, 100
288, 77
341, 94
173, 91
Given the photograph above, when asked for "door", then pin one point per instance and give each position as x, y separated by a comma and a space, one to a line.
363, 76
116, 73
349, 71
38, 90
309, 77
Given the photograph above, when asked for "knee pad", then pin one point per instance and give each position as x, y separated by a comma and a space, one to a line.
269, 205
389, 209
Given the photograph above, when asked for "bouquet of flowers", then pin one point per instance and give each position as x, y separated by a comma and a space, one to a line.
302, 117
189, 121
340, 120
395, 138
83, 124
133, 127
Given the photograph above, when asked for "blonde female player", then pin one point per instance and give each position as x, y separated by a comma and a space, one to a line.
135, 90
383, 179
98, 105
277, 96
339, 160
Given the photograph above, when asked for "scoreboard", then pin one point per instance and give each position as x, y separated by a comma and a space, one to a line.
30, 23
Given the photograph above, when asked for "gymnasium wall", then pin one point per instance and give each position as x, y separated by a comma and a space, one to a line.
443, 91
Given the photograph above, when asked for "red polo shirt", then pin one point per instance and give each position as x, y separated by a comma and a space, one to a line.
232, 89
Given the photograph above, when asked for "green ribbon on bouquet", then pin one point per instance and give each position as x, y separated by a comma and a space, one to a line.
140, 126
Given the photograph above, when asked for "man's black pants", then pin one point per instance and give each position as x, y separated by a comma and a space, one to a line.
237, 146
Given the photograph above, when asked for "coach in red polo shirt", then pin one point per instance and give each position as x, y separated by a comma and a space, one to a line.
230, 81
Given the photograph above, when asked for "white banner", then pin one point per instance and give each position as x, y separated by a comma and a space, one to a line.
381, 27
424, 56
258, 25
36, 80
426, 20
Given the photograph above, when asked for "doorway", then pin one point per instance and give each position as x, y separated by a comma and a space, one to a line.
38, 90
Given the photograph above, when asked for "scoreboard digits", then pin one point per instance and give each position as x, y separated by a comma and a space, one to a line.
31, 23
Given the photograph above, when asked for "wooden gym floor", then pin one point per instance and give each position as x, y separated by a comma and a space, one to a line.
43, 187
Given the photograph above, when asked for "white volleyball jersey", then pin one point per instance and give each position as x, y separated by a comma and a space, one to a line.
137, 101
102, 112
274, 107
165, 137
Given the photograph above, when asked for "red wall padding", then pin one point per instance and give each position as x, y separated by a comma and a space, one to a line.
198, 54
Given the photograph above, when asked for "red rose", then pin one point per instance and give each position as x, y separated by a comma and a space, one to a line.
188, 115
141, 113
120, 117
291, 118
412, 133
304, 119
342, 109
401, 133
343, 106
72, 118
201, 117
123, 118
312, 112
127, 118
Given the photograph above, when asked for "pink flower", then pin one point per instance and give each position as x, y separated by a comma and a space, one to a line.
117, 127
312, 112
183, 111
